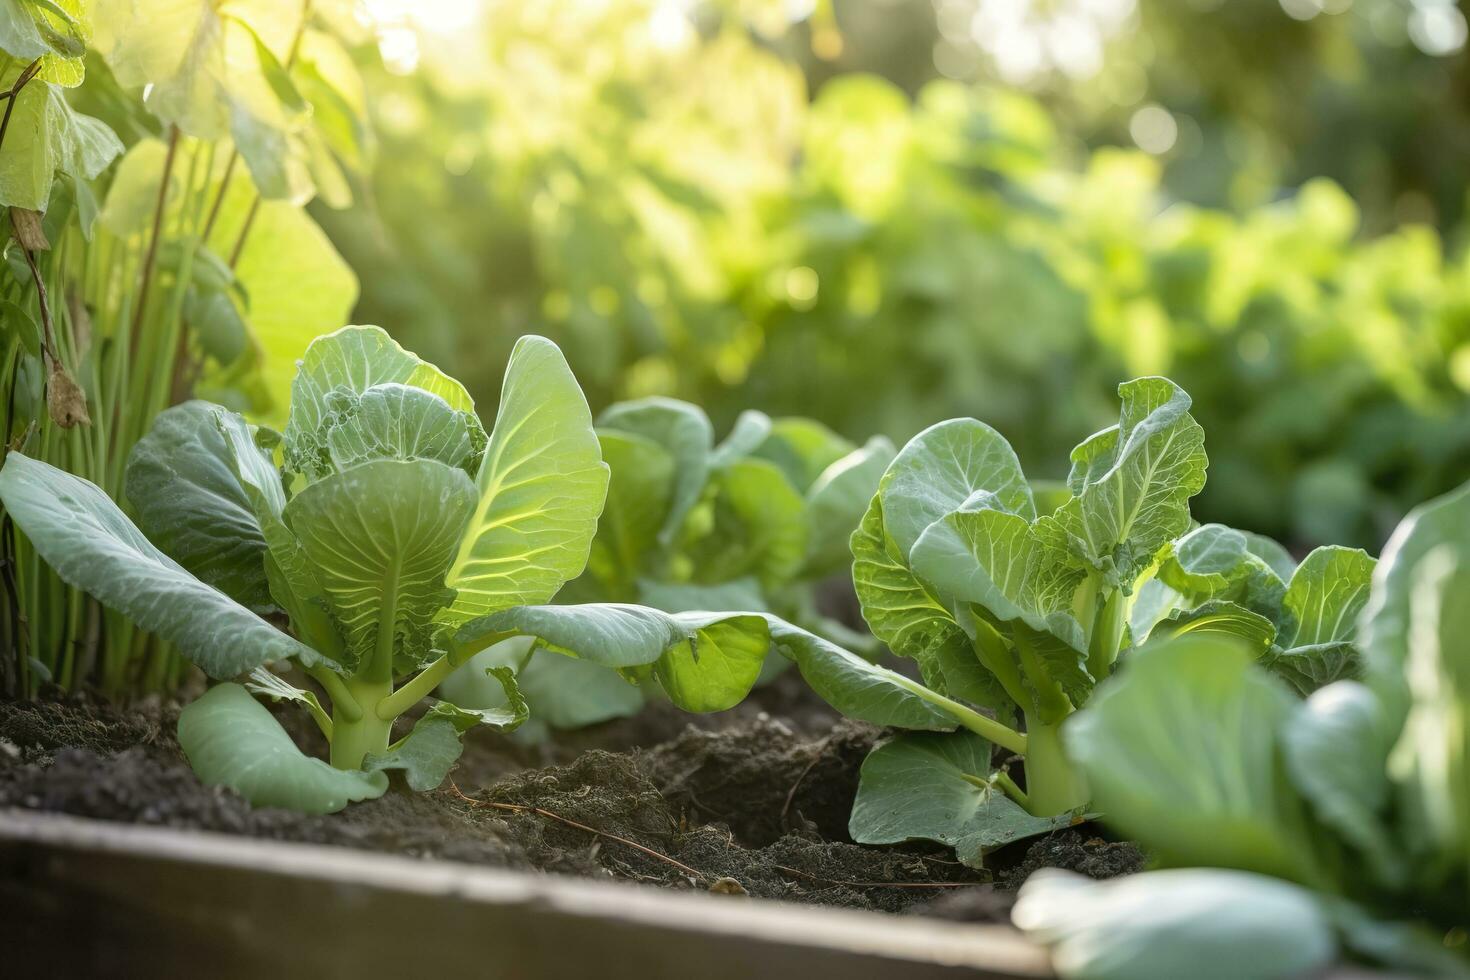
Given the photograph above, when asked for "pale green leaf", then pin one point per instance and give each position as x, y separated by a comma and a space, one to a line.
379, 537
743, 594
231, 740
836, 502
349, 362
183, 484
563, 692
759, 527
1201, 923
684, 431
1132, 496
897, 607
1337, 746
395, 421
706, 661
639, 494
541, 486
46, 137
751, 429
426, 754
803, 449
1441, 524
856, 687
935, 786
1222, 618
1327, 593
299, 289
92, 546
942, 469
1182, 750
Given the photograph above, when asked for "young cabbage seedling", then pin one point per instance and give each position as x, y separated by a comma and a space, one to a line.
753, 523
394, 536
1021, 609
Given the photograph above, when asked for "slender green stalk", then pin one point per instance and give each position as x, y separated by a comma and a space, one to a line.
1002, 735
415, 690
1005, 782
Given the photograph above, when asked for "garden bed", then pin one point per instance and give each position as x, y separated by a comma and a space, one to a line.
752, 801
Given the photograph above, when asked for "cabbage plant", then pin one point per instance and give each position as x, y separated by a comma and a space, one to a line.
1018, 602
754, 522
378, 542
1348, 812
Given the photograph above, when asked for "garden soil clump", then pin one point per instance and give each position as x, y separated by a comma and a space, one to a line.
743, 802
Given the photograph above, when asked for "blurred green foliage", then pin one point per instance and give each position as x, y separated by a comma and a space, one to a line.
665, 200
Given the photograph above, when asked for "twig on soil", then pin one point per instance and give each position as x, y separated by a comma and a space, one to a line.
791, 794
879, 884
526, 808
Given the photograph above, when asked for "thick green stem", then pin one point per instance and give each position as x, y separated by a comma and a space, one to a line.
1053, 784
352, 740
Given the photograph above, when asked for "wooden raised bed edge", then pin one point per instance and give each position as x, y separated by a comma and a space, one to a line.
90, 898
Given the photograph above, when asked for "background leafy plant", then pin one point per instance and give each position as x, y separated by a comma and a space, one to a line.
877, 255
756, 524
1019, 603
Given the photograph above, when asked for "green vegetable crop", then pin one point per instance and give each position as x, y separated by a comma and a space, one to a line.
1019, 601
395, 537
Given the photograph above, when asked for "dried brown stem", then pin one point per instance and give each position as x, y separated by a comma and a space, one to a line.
525, 808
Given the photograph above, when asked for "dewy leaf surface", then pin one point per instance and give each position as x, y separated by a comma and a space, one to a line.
930, 786
542, 487
379, 537
231, 740
183, 484
92, 546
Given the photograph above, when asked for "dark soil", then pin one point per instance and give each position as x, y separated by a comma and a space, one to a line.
750, 801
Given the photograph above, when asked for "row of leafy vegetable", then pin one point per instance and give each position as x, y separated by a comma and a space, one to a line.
154, 161
1083, 648
881, 260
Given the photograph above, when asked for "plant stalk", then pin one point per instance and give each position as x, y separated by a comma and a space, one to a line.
1053, 784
